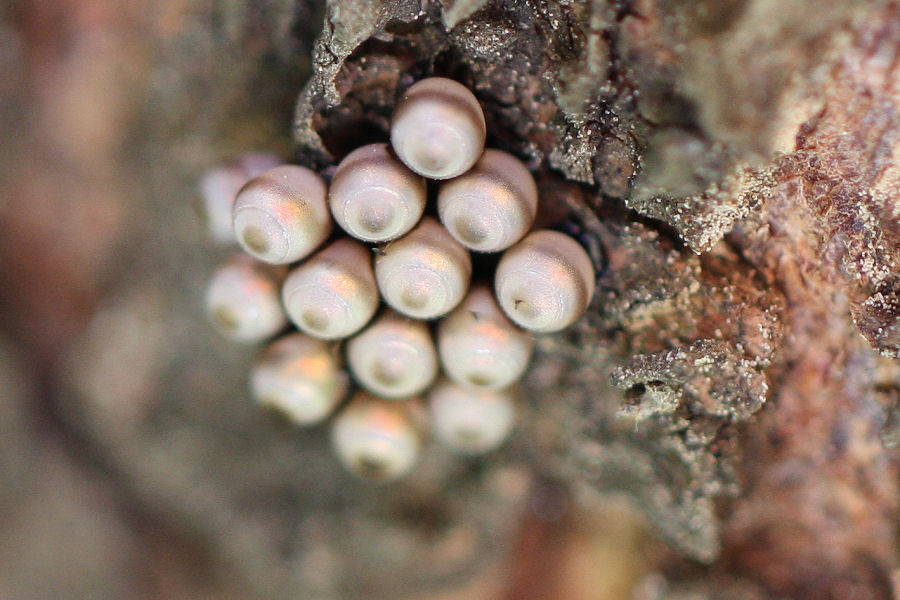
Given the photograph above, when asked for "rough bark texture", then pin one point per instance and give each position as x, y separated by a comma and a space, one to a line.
731, 165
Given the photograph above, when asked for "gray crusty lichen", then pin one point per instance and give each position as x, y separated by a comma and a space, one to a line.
715, 80
655, 379
700, 147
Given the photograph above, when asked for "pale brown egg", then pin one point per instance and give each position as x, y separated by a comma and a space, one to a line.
545, 282
470, 420
393, 357
242, 300
479, 346
374, 197
424, 274
333, 294
438, 128
281, 216
301, 377
219, 187
490, 207
376, 439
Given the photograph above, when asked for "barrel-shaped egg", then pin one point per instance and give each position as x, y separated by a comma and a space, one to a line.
438, 128
218, 188
376, 439
220, 185
242, 300
424, 274
393, 357
333, 294
479, 346
374, 197
281, 215
301, 377
492, 206
545, 282
470, 420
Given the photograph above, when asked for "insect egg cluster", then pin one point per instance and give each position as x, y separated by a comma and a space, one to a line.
444, 354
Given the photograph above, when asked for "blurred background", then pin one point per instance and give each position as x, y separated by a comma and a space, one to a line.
109, 110
132, 464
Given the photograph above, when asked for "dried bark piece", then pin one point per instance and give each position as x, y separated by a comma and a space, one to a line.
710, 376
850, 181
348, 24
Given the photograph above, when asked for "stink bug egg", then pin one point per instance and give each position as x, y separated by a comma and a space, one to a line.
438, 128
333, 294
425, 273
281, 216
374, 197
301, 377
545, 282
